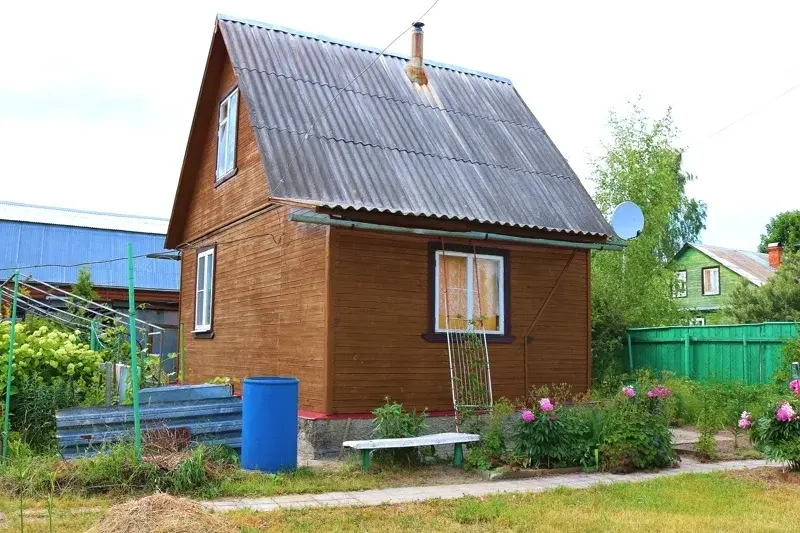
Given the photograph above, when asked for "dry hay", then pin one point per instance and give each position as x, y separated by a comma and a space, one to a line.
160, 513
771, 475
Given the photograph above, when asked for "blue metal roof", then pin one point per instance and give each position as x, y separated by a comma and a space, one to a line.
26, 244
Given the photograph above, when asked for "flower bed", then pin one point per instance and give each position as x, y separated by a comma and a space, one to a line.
777, 431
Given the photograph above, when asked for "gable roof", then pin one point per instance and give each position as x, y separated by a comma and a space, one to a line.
52, 237
463, 147
752, 266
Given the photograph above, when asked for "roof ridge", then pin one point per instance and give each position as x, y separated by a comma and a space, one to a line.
416, 152
390, 98
80, 211
342, 42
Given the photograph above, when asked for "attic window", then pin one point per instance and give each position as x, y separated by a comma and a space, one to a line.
711, 281
226, 136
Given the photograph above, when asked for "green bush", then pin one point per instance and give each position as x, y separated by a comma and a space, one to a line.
392, 421
777, 433
491, 450
547, 435
635, 433
33, 410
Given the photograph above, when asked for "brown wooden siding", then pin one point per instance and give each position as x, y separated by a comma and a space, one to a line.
380, 310
211, 206
269, 305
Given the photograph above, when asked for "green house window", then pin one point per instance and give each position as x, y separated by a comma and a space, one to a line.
711, 281
679, 286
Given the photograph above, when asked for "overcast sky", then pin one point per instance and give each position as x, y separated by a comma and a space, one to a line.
96, 102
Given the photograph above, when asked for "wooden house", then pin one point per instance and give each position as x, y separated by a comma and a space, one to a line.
317, 231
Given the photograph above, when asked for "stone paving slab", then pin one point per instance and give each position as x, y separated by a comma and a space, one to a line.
415, 494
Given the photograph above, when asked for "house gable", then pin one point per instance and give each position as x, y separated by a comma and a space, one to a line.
693, 262
202, 204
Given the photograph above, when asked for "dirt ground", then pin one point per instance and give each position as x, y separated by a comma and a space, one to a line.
728, 448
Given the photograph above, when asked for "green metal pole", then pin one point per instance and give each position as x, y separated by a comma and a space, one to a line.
92, 336
630, 352
137, 432
9, 374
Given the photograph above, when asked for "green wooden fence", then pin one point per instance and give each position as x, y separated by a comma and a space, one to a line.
745, 352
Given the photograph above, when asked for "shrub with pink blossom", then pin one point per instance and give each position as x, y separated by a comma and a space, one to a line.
628, 391
528, 416
745, 421
546, 405
777, 433
659, 391
794, 386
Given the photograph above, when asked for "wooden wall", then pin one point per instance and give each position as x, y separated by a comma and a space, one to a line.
380, 309
209, 205
269, 305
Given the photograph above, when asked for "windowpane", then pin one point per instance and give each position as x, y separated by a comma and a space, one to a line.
711, 281
209, 290
679, 289
453, 276
486, 297
226, 134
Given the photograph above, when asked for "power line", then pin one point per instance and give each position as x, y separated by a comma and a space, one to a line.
340, 91
744, 117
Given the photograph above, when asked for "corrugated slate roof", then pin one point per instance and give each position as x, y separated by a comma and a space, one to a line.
753, 266
84, 219
465, 146
29, 243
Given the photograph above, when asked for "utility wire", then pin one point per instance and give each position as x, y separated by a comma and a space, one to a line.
743, 117
340, 91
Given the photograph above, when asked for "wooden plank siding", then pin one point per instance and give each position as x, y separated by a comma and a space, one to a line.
269, 305
380, 310
212, 206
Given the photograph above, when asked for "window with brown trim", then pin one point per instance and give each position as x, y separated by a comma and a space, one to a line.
226, 136
469, 290
204, 290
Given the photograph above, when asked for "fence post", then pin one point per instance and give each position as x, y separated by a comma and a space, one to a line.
744, 358
687, 347
630, 353
9, 374
137, 434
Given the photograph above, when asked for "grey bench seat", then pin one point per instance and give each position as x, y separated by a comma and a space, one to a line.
457, 439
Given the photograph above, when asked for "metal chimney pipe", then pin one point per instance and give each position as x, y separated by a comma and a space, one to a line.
415, 69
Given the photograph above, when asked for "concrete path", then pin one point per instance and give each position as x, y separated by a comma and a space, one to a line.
414, 494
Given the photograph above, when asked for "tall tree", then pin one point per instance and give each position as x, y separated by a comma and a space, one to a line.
84, 288
632, 288
784, 228
778, 300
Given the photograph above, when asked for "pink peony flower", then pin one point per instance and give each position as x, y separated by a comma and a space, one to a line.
552, 417
659, 392
528, 416
546, 405
744, 421
628, 391
785, 413
794, 386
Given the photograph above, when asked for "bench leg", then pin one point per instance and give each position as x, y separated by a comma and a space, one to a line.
458, 455
365, 460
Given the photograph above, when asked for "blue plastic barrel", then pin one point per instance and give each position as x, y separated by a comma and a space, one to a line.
269, 424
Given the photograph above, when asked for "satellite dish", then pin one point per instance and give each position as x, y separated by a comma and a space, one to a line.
627, 220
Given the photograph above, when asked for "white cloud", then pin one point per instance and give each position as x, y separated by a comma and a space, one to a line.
140, 64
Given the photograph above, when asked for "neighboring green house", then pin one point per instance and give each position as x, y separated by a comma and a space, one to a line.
705, 275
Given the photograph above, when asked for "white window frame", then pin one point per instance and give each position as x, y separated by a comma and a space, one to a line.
697, 321
707, 291
680, 277
470, 299
202, 322
228, 123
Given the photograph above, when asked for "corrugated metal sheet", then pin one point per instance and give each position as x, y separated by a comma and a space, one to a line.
465, 146
750, 353
750, 265
24, 244
85, 431
62, 216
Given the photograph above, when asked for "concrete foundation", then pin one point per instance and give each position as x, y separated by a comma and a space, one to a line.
322, 439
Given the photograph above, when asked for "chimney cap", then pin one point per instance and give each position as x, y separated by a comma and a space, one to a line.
775, 245
418, 25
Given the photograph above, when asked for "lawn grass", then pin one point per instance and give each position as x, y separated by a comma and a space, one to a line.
683, 504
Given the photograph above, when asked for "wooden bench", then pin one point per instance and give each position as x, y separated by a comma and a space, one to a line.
367, 446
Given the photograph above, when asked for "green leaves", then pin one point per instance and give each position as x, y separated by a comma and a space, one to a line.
632, 288
778, 300
783, 228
